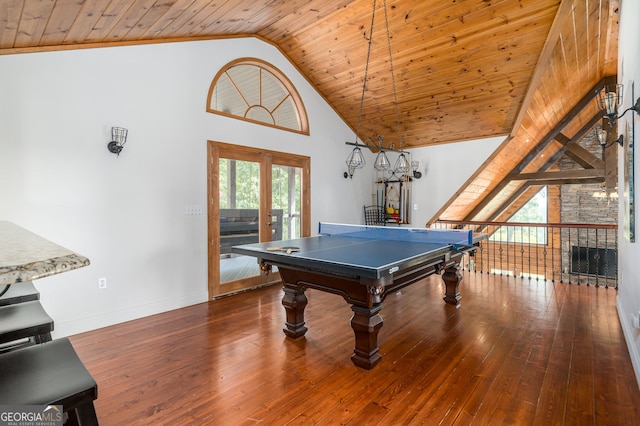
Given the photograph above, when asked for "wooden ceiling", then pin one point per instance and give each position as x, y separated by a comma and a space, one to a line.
463, 69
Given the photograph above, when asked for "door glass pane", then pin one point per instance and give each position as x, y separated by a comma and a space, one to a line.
239, 202
286, 201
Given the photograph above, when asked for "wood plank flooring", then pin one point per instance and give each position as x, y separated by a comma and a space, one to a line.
515, 352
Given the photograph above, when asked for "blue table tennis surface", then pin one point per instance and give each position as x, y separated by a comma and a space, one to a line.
361, 254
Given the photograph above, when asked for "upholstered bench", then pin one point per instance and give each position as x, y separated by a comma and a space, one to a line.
25, 320
49, 374
19, 293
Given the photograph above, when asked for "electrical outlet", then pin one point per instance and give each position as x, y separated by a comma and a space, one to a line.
102, 283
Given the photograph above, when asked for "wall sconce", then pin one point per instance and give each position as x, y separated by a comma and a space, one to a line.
118, 139
602, 138
610, 100
414, 167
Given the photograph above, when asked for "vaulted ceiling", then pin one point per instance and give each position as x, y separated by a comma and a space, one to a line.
463, 69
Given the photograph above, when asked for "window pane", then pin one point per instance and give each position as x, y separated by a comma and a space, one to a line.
239, 213
286, 115
534, 211
260, 114
226, 98
286, 196
272, 91
256, 91
247, 79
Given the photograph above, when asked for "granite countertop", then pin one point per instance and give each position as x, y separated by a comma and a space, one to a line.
25, 256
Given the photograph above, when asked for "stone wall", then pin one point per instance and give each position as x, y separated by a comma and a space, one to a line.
586, 203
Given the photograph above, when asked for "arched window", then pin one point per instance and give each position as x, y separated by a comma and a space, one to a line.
253, 90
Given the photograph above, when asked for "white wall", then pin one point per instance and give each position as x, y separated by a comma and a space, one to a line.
127, 213
628, 301
445, 168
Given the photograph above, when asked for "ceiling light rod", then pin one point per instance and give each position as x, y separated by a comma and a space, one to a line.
376, 147
355, 160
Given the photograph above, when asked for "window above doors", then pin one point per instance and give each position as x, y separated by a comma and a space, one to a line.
253, 90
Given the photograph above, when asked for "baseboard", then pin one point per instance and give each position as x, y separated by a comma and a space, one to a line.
81, 325
630, 336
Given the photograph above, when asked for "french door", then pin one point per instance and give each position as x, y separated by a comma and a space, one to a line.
254, 195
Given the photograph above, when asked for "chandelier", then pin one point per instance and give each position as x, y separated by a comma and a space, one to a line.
355, 159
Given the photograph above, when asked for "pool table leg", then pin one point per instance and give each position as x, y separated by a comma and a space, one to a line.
294, 302
366, 323
452, 277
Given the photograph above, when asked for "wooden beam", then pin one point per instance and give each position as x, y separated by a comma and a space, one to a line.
542, 66
569, 143
583, 157
579, 181
542, 145
542, 177
610, 156
573, 141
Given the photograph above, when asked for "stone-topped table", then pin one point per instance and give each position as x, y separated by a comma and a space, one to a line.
25, 256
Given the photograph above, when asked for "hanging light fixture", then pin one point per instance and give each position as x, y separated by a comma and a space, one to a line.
354, 161
402, 165
382, 163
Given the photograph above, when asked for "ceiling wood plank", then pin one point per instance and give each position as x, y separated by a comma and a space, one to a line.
181, 25
10, 11
60, 21
129, 22
545, 55
34, 18
151, 16
85, 21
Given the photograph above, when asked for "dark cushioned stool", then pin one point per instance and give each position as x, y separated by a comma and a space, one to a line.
19, 293
49, 374
25, 320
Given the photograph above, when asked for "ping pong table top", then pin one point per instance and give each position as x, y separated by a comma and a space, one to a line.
366, 251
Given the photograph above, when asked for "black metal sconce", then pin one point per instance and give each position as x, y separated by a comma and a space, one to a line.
610, 100
118, 139
414, 168
602, 138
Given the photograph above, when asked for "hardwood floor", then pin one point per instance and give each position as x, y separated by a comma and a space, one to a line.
516, 352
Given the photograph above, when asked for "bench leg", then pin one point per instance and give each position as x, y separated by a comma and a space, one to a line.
84, 415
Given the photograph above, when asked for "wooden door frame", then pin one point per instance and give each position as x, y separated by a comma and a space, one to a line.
266, 158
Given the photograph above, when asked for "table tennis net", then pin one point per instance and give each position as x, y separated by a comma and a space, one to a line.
419, 235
